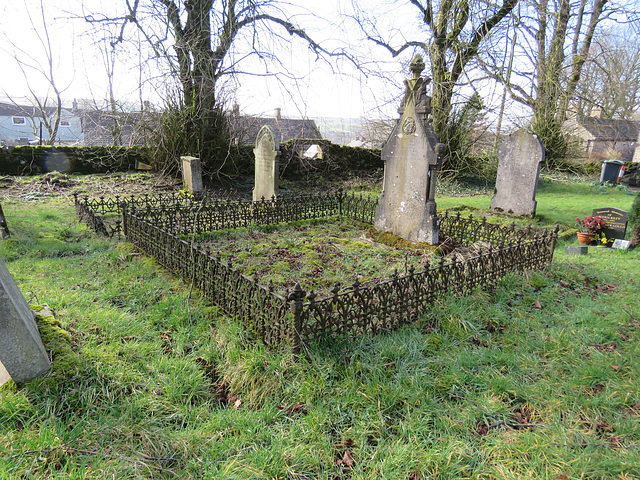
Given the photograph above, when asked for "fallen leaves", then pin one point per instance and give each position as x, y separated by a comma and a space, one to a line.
292, 408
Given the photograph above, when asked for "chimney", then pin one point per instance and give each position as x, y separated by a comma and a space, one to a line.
597, 112
74, 106
277, 114
235, 111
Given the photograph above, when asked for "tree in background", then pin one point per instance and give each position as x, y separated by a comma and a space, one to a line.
611, 76
454, 32
201, 42
45, 111
554, 43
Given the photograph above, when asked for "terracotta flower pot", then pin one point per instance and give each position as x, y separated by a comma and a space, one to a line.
586, 238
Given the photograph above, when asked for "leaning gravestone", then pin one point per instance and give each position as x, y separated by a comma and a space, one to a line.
407, 204
22, 355
615, 222
192, 175
519, 160
267, 153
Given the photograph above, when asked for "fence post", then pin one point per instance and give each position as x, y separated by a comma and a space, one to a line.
296, 298
125, 219
554, 239
340, 199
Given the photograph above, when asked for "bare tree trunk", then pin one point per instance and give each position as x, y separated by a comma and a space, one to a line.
578, 60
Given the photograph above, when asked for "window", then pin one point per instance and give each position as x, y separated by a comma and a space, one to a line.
18, 120
64, 123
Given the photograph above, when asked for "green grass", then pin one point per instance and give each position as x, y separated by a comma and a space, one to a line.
315, 253
537, 379
560, 201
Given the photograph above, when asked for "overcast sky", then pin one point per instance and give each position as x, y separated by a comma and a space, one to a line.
320, 89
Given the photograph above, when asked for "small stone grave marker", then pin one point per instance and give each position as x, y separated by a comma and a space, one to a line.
615, 222
411, 158
192, 175
576, 250
22, 355
519, 160
621, 244
267, 153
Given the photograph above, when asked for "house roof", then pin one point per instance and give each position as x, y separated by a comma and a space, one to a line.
246, 128
16, 110
611, 129
100, 128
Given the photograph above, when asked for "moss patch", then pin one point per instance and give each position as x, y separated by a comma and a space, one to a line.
58, 342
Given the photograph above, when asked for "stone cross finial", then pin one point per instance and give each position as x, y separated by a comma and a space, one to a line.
416, 66
416, 89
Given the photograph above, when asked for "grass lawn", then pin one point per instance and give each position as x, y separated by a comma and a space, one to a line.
539, 378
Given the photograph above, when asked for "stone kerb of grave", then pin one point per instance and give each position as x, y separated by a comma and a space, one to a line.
267, 154
411, 156
615, 222
22, 355
519, 160
192, 175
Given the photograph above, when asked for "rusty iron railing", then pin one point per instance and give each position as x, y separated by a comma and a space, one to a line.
357, 309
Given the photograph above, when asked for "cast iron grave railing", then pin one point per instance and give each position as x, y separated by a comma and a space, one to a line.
357, 309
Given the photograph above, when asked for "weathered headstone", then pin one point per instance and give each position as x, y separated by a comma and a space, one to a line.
615, 222
22, 354
4, 228
519, 160
411, 158
267, 154
192, 175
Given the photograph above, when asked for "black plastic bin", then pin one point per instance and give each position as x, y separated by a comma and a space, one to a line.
610, 170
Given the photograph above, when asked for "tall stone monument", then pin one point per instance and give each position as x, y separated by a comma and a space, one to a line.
411, 158
22, 355
267, 155
519, 160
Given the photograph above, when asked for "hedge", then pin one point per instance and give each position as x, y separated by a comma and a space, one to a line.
335, 161
34, 160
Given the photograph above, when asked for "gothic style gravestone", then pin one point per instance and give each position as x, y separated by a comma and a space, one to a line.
267, 153
192, 175
22, 355
615, 222
519, 160
407, 204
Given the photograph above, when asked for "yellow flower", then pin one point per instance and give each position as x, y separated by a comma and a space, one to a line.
604, 240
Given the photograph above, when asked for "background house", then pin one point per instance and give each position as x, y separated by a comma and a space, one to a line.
244, 129
20, 125
602, 137
120, 128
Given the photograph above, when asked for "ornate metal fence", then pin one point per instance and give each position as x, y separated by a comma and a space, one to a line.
357, 309
175, 213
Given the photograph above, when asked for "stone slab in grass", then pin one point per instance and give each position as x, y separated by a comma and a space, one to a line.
22, 354
576, 250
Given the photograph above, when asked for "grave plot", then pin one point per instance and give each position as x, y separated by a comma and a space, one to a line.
315, 253
300, 314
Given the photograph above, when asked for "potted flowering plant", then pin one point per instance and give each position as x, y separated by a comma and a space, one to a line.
590, 228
